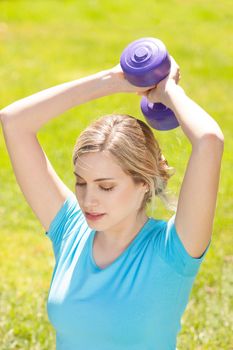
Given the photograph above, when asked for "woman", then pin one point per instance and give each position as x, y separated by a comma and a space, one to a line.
121, 279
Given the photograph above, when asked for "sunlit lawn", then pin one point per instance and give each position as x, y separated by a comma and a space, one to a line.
46, 43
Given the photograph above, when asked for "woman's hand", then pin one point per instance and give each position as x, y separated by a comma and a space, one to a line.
123, 85
158, 93
154, 93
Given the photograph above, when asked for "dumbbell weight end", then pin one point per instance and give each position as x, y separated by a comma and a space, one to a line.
158, 116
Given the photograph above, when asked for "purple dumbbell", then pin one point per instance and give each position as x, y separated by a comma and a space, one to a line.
146, 62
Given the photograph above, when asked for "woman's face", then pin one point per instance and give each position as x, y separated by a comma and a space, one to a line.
117, 196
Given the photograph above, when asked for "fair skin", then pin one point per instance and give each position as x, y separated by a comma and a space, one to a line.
121, 204
198, 194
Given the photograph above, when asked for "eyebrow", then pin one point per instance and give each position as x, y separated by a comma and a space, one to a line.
96, 180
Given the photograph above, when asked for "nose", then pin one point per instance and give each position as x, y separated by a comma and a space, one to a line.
89, 199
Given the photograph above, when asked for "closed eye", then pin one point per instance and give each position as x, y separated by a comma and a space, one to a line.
102, 188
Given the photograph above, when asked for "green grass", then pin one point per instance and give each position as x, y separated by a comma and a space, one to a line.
44, 43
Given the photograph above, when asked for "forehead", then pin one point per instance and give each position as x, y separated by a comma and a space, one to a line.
98, 164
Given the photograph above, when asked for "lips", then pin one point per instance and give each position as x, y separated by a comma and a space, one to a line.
94, 214
94, 217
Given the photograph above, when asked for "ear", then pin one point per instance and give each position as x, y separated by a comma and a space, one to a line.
145, 187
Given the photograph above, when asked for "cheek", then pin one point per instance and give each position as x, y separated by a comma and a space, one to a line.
124, 200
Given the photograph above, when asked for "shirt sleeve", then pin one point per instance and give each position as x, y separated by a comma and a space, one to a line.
66, 219
174, 253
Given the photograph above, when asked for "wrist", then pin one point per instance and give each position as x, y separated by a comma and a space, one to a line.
109, 82
172, 92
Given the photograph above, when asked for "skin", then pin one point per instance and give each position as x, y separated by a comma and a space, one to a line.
197, 198
117, 229
122, 221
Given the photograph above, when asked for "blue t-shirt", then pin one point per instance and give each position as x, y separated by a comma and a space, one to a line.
135, 303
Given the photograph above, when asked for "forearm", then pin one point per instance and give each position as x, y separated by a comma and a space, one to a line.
195, 122
32, 112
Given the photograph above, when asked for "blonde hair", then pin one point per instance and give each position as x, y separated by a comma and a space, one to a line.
132, 144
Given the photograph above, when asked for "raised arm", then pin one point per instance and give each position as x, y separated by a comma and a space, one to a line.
42, 187
32, 112
198, 193
21, 120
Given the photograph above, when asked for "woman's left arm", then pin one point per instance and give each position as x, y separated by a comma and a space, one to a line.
198, 193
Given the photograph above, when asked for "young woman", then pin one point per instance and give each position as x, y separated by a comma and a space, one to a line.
121, 279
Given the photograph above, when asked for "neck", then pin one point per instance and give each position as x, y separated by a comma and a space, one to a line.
123, 233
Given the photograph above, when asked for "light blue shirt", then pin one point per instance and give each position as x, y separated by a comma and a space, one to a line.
135, 303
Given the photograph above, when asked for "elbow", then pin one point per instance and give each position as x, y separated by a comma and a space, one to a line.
219, 137
218, 134
212, 134
6, 118
216, 137
2, 117
213, 140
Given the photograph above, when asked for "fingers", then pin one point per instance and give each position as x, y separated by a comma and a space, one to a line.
173, 61
175, 70
145, 90
151, 95
178, 76
142, 93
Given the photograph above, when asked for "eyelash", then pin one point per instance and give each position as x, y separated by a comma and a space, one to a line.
104, 189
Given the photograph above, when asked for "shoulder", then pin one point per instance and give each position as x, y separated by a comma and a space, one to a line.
170, 248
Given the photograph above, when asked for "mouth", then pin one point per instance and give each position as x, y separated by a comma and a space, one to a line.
95, 216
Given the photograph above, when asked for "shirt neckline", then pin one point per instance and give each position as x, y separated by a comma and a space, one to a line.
136, 238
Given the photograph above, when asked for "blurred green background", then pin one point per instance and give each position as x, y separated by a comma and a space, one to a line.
44, 43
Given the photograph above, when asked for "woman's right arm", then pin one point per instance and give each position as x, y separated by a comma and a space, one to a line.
32, 112
43, 189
